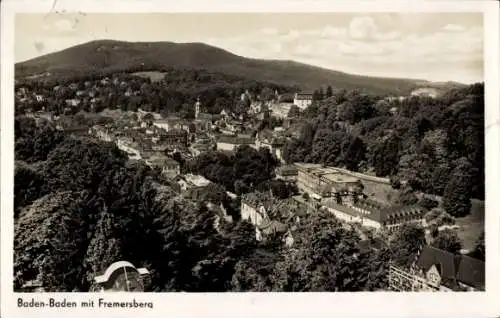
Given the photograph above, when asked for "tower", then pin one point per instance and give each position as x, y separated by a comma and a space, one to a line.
197, 108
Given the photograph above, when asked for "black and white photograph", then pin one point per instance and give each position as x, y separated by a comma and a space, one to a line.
215, 152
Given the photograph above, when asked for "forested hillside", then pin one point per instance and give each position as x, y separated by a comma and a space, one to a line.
436, 145
175, 92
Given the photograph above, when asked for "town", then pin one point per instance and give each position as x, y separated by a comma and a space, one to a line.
264, 124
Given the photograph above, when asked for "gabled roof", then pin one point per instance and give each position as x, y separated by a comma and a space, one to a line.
453, 268
444, 261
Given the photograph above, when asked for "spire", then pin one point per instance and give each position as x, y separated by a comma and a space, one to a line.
197, 107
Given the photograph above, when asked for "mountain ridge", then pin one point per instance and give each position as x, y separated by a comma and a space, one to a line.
120, 56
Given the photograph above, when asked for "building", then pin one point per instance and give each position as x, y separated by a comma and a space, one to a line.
438, 270
369, 213
303, 100
101, 132
254, 207
320, 181
127, 145
269, 215
168, 166
287, 173
230, 143
272, 141
174, 136
190, 185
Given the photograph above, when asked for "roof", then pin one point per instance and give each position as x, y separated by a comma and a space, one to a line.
197, 180
256, 199
330, 173
238, 140
272, 227
445, 262
287, 170
287, 208
453, 268
116, 266
382, 213
471, 271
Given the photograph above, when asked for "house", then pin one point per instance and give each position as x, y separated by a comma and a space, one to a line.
254, 207
230, 143
166, 124
439, 270
269, 215
303, 100
272, 141
190, 185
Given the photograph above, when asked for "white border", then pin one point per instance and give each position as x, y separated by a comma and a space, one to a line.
282, 304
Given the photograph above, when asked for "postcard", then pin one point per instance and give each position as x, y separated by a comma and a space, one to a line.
227, 159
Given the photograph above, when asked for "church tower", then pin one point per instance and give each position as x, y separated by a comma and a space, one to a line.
197, 108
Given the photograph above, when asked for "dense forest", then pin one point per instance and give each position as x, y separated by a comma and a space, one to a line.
430, 145
81, 205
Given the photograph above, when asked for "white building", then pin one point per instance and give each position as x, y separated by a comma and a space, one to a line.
303, 100
231, 143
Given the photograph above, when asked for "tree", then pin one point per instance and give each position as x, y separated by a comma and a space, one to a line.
294, 112
458, 191
104, 248
325, 257
53, 255
386, 155
28, 185
448, 240
407, 197
479, 251
438, 217
407, 240
329, 92
428, 203
316, 96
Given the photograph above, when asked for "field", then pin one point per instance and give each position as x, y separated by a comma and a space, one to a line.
153, 75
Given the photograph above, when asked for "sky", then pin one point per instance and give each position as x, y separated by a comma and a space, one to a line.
430, 46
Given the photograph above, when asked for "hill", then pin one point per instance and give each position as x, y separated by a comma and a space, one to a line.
107, 56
